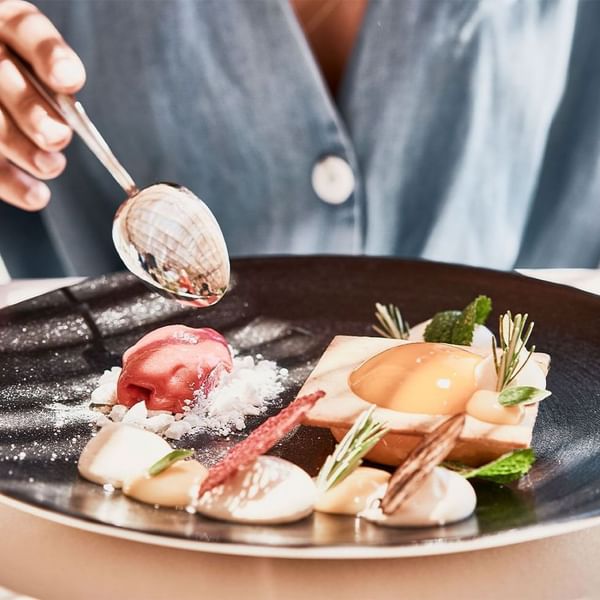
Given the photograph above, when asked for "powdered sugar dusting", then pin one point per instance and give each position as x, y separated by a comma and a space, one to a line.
106, 392
248, 390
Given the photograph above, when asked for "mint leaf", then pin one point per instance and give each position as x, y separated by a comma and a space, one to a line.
462, 332
166, 461
509, 467
476, 313
522, 394
441, 326
483, 309
457, 327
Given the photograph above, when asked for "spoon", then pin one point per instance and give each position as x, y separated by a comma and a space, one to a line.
165, 235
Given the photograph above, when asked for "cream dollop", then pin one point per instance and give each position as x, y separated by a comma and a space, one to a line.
484, 405
444, 497
176, 486
350, 496
269, 491
119, 452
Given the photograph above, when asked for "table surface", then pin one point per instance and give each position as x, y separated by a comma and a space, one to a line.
46, 560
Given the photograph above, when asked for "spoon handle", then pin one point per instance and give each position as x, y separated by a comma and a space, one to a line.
71, 110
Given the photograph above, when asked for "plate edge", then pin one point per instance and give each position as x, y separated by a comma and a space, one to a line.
487, 541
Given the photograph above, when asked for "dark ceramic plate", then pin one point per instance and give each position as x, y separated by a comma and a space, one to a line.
54, 347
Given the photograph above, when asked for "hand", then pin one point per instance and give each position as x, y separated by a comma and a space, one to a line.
32, 135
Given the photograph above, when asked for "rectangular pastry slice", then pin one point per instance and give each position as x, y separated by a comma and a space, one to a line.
354, 374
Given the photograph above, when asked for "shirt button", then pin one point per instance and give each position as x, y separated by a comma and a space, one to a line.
333, 180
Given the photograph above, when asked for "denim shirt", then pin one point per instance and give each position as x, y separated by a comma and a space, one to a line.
472, 128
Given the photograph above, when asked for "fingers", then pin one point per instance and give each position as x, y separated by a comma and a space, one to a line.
29, 110
21, 190
21, 151
20, 158
31, 133
25, 29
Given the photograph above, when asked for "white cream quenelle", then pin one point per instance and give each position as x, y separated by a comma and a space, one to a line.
119, 452
269, 491
444, 497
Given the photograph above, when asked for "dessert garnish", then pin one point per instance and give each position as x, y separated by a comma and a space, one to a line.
513, 337
458, 326
428, 454
505, 469
392, 323
169, 459
512, 344
524, 394
349, 452
263, 438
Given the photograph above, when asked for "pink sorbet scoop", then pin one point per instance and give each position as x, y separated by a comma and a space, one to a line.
168, 365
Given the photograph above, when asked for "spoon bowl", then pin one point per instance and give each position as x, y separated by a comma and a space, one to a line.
170, 239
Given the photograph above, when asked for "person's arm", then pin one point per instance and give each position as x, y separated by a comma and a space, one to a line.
32, 135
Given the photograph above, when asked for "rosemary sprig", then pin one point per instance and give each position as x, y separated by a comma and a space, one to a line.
349, 452
514, 335
392, 323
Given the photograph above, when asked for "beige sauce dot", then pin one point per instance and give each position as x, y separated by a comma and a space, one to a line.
349, 497
173, 487
484, 405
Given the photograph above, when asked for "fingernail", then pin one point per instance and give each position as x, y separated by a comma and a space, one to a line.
38, 194
49, 162
52, 131
67, 72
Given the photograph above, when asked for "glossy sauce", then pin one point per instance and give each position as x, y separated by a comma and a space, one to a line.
418, 378
350, 496
175, 486
484, 406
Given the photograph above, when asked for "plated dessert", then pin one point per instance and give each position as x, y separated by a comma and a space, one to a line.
415, 378
432, 408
